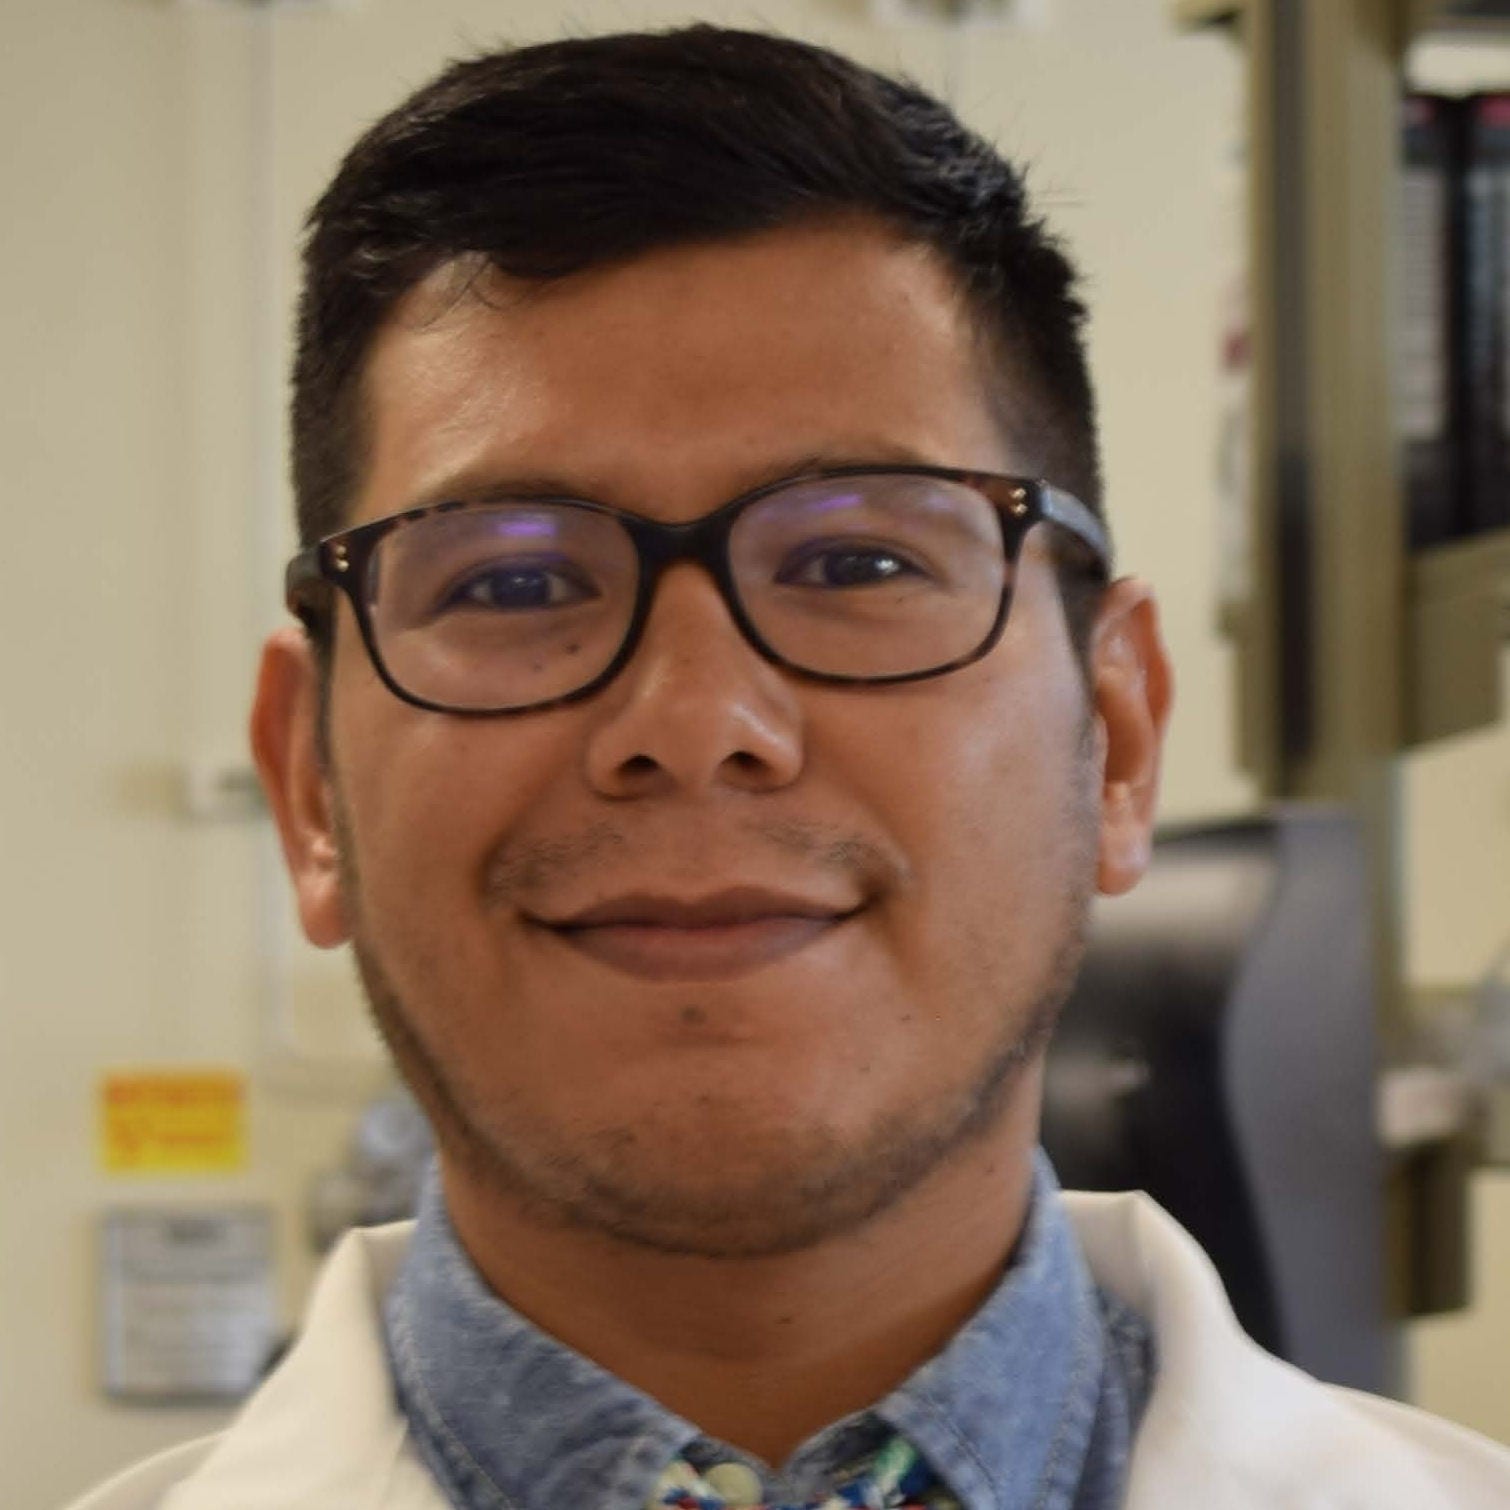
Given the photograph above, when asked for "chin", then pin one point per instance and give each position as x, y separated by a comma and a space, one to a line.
765, 1197
717, 1178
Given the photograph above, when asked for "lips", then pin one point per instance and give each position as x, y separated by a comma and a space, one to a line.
712, 937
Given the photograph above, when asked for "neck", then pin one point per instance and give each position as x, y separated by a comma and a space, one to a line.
763, 1352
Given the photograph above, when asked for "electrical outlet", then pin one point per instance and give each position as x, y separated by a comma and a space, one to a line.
283, 5
1019, 13
221, 791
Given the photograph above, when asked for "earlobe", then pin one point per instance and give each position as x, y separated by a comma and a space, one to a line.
287, 748
1132, 688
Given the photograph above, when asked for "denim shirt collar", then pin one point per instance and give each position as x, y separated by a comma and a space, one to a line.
1047, 1372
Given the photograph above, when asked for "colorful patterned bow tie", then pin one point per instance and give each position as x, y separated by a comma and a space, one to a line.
897, 1479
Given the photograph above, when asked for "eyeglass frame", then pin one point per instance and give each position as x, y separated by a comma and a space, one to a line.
338, 563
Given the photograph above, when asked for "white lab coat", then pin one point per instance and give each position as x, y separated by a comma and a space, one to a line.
1227, 1427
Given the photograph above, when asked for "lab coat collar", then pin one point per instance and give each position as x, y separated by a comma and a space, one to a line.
1226, 1425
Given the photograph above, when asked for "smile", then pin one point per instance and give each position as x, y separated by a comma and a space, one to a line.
728, 936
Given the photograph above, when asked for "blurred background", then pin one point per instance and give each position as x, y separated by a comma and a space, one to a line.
190, 1099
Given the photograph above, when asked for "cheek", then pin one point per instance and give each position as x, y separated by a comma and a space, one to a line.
429, 797
985, 771
985, 790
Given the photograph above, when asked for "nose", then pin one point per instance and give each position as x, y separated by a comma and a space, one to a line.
697, 707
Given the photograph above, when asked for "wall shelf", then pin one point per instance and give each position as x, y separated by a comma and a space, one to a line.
1190, 13
1457, 620
1419, 16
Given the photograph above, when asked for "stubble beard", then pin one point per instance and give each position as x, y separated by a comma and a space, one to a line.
806, 1187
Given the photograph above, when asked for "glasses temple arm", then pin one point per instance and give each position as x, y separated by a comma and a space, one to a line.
1067, 511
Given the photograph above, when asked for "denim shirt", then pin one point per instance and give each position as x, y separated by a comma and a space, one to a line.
1033, 1403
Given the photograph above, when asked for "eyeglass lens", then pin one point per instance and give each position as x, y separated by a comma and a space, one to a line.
506, 605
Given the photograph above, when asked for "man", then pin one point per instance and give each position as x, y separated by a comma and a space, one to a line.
711, 716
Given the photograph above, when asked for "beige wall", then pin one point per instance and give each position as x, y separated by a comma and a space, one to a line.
153, 188
128, 935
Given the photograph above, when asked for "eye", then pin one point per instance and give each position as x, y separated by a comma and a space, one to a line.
519, 586
848, 564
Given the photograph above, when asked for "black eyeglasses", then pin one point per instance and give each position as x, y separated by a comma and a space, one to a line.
854, 575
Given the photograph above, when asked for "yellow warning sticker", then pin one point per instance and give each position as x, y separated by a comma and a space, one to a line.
172, 1122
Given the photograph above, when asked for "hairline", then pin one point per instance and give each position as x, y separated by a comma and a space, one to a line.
998, 372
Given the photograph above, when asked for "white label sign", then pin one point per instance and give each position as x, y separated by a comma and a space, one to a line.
187, 1302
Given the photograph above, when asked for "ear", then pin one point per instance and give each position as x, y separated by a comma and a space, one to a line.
1132, 686
285, 735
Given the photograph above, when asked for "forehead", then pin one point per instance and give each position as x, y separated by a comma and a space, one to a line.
669, 381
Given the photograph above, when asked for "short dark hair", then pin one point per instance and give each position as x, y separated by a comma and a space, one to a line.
549, 160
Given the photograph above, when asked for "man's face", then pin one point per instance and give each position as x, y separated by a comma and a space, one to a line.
752, 1085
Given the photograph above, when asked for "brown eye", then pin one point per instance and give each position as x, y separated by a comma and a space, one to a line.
847, 565
519, 586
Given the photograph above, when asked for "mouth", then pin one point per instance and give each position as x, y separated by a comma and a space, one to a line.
717, 937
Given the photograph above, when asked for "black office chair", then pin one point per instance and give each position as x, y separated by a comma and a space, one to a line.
1219, 1053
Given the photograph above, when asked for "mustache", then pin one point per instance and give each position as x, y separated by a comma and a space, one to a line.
523, 868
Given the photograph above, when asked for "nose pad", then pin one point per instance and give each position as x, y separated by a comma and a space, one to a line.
697, 706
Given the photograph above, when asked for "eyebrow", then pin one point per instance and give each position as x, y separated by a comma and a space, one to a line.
473, 487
